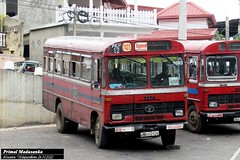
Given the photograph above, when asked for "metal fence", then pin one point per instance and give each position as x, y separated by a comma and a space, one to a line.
106, 15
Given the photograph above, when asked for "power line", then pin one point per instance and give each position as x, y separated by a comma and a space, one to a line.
31, 4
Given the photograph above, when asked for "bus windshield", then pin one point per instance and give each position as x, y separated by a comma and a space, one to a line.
222, 67
127, 72
167, 71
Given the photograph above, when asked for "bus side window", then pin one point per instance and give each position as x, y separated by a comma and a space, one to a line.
75, 69
202, 68
58, 66
193, 68
45, 63
66, 68
103, 74
96, 71
65, 64
50, 65
86, 66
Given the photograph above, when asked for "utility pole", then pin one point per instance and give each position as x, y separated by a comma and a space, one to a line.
135, 14
2, 14
239, 18
75, 21
227, 29
182, 29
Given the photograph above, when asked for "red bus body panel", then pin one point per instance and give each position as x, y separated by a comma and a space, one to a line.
200, 90
81, 100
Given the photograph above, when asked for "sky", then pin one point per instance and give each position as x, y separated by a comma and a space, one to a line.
220, 8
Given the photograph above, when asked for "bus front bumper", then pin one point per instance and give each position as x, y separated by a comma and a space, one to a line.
138, 129
221, 117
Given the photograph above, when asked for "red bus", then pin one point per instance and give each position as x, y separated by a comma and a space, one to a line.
115, 86
213, 83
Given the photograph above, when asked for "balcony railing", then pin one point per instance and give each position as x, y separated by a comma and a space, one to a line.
106, 15
2, 40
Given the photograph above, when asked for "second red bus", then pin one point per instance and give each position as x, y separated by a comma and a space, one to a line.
213, 83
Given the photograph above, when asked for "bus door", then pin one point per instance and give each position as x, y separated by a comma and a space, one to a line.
192, 77
95, 83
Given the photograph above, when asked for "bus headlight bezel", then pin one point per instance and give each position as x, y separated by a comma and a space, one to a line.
179, 112
213, 104
117, 116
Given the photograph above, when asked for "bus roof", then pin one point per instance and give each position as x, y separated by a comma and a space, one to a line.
90, 44
210, 47
100, 44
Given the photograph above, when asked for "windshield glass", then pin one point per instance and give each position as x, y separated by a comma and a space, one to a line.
167, 71
222, 67
126, 72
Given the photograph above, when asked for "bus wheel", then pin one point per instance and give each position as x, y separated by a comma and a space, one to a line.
101, 139
168, 137
63, 124
60, 120
194, 121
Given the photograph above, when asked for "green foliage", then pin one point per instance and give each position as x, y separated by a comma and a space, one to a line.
218, 36
236, 37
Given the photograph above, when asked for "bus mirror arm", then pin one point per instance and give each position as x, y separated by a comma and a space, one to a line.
95, 85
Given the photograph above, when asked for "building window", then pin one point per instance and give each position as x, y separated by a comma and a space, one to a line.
12, 7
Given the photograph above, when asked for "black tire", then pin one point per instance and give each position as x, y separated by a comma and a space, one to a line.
168, 137
63, 124
195, 123
101, 138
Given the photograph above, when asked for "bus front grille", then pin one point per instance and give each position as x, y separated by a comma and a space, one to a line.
226, 99
148, 118
140, 109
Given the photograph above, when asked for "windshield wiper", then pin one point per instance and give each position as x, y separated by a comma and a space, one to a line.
168, 60
131, 59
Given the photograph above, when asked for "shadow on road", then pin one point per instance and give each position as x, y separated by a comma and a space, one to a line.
121, 143
222, 129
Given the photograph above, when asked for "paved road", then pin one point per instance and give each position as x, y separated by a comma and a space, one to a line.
219, 142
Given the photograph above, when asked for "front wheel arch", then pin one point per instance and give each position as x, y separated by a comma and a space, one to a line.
195, 121
94, 116
101, 135
64, 125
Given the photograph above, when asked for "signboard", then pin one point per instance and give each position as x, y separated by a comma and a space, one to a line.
141, 46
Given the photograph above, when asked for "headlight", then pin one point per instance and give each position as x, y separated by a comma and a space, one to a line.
213, 104
179, 113
117, 116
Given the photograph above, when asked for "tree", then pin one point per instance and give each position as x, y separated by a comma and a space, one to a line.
218, 36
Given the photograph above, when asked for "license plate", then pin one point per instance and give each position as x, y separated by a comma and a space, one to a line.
174, 126
215, 115
237, 119
149, 134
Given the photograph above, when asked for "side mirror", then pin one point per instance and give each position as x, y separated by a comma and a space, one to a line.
95, 84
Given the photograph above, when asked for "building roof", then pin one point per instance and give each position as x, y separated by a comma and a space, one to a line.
193, 11
117, 4
145, 8
192, 34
